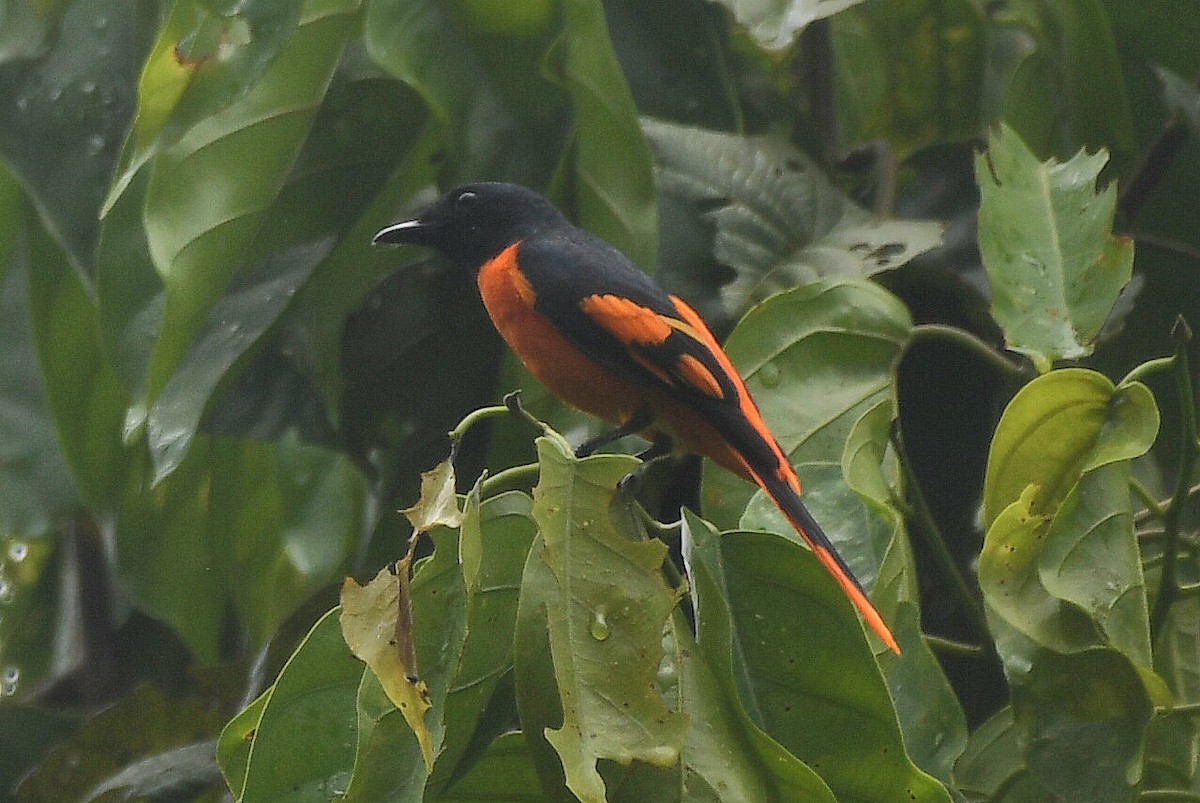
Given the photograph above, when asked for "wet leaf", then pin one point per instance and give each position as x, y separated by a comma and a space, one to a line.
1046, 236
607, 613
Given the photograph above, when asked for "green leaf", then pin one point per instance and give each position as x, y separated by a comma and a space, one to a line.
303, 745
208, 191
910, 73
496, 112
233, 746
931, 717
1059, 425
776, 24
1070, 92
612, 173
84, 393
781, 599
238, 320
36, 490
386, 761
1087, 734
203, 60
777, 221
609, 610
992, 767
1046, 237
725, 748
494, 543
816, 359
504, 772
1062, 580
65, 111
263, 525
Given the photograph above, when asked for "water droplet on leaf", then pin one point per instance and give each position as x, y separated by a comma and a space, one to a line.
599, 628
769, 374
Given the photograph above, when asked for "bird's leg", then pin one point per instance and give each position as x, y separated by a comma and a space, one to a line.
660, 448
636, 423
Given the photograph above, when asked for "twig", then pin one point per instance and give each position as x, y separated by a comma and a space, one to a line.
970, 342
1168, 589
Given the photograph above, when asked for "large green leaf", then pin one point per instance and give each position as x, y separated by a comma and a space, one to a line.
204, 59
612, 173
237, 321
208, 191
608, 612
910, 73
760, 769
64, 112
1062, 580
1046, 238
816, 359
83, 391
776, 23
261, 525
1069, 92
779, 600
303, 742
1061, 424
775, 218
494, 543
36, 490
931, 716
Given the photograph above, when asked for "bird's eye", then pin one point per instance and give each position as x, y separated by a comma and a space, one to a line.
466, 200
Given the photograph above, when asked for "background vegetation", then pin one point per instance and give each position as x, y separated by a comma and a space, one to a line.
953, 245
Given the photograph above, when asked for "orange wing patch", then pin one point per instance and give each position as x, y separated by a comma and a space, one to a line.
698, 376
627, 320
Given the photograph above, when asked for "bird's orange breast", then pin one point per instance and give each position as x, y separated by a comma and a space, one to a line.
564, 369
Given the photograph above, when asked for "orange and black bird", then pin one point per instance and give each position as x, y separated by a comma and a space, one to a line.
601, 335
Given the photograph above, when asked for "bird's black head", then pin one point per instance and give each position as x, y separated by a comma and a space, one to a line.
474, 222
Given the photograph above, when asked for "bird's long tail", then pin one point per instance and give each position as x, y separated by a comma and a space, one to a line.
784, 492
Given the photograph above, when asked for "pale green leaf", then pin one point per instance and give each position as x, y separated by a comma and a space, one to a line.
1046, 237
606, 625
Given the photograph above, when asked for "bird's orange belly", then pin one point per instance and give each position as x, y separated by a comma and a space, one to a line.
561, 367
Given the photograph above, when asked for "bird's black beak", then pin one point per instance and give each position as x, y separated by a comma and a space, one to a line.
410, 232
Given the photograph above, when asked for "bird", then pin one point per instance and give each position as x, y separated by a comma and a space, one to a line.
605, 338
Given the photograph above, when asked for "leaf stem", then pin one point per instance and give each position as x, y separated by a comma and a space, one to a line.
933, 538
1154, 508
1168, 589
970, 342
1149, 367
474, 417
514, 478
